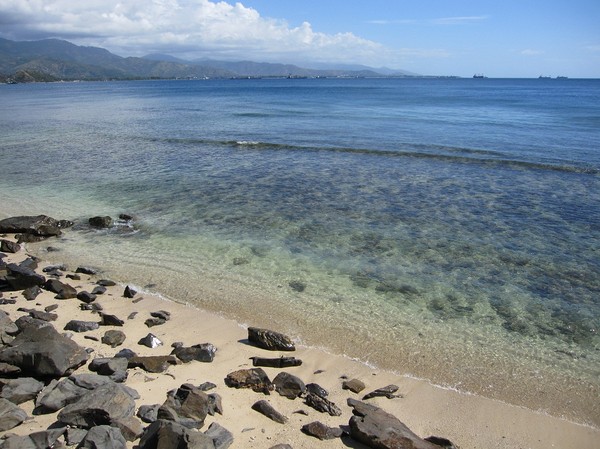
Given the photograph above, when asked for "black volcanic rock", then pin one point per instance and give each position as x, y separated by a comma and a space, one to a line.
40, 225
267, 339
254, 378
267, 409
101, 222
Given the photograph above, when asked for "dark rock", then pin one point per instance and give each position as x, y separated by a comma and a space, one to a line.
354, 385
267, 339
281, 446
126, 217
321, 431
297, 286
267, 409
107, 366
101, 222
9, 246
444, 443
186, 405
240, 261
74, 436
126, 353
21, 390
215, 404
148, 413
10, 415
59, 393
163, 434
153, 364
40, 225
129, 292
322, 405
9, 370
151, 322
103, 437
43, 352
222, 438
62, 290
94, 307
74, 276
162, 314
7, 328
281, 362
31, 262
150, 341
22, 277
86, 297
91, 337
99, 290
44, 316
55, 268
81, 326
107, 404
26, 321
86, 270
37, 440
289, 385
32, 292
376, 428
51, 308
254, 378
113, 338
387, 392
206, 386
318, 390
106, 283
110, 320
204, 352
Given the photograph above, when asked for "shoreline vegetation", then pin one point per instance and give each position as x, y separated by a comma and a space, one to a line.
207, 381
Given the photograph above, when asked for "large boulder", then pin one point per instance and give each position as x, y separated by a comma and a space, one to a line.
376, 428
270, 340
21, 390
40, 225
43, 352
288, 385
203, 352
10, 415
37, 440
162, 434
21, 277
103, 437
187, 405
254, 378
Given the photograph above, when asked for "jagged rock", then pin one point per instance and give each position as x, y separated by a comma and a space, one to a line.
267, 339
107, 404
322, 405
376, 428
101, 222
40, 225
59, 393
151, 341
94, 307
317, 390
222, 438
37, 440
9, 370
281, 362
206, 386
354, 385
129, 292
109, 366
74, 436
186, 405
86, 270
19, 277
21, 390
7, 328
153, 364
62, 290
110, 320
127, 353
267, 409
9, 246
27, 321
162, 434
148, 413
44, 316
289, 385
10, 415
215, 404
103, 437
254, 378
113, 338
204, 352
43, 352
321, 431
151, 322
86, 297
387, 391
81, 326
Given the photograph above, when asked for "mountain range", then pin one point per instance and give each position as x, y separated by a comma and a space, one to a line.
55, 59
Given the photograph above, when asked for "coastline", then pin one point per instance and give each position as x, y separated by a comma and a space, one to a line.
470, 421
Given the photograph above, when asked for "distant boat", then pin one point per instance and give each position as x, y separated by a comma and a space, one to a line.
479, 75
561, 77
543, 77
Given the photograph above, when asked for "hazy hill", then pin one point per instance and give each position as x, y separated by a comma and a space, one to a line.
55, 59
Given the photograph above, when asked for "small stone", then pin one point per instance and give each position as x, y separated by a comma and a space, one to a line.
101, 222
151, 341
81, 326
86, 270
86, 297
387, 392
354, 385
297, 286
113, 338
321, 431
129, 292
267, 409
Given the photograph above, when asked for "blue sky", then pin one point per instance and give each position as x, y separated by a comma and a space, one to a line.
510, 38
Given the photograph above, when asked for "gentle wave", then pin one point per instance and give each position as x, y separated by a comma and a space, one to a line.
436, 152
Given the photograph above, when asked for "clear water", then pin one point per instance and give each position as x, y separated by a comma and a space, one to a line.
448, 229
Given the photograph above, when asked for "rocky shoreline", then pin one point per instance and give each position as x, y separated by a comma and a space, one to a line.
86, 362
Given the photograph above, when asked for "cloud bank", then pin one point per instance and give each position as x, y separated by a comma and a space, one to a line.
184, 28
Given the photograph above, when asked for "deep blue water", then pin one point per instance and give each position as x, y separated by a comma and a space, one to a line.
469, 202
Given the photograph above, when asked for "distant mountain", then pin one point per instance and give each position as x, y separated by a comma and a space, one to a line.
54, 59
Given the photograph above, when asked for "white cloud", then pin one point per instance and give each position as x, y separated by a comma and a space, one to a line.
187, 28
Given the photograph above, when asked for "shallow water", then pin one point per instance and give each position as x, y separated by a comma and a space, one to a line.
447, 229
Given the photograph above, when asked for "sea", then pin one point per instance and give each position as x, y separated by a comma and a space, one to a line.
445, 229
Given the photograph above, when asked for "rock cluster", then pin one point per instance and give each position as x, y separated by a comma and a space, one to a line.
96, 409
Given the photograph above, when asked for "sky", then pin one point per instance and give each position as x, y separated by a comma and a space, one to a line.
497, 38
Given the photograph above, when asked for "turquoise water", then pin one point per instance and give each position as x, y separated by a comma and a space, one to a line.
448, 229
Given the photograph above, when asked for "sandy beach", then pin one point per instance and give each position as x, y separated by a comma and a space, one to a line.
469, 421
